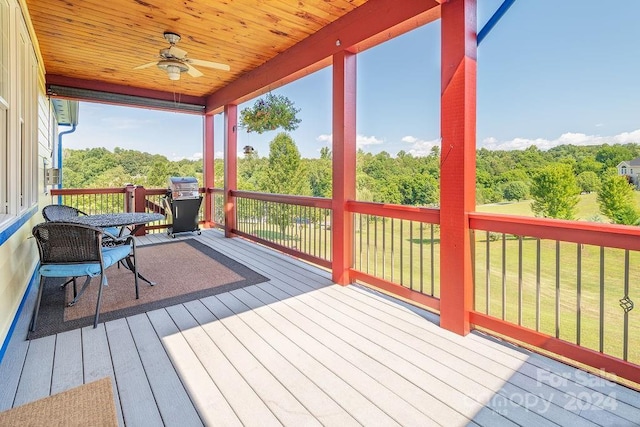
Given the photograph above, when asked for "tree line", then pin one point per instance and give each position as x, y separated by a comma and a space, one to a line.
553, 179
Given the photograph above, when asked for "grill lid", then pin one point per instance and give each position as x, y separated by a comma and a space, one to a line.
183, 187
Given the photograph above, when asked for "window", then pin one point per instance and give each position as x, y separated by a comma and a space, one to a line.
18, 116
4, 170
4, 53
623, 170
4, 110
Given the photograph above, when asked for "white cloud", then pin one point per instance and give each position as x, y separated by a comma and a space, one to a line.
194, 156
420, 147
361, 140
572, 138
325, 138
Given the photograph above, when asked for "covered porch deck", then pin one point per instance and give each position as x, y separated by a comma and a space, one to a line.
299, 350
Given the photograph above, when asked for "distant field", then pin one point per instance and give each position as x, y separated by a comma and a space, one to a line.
587, 208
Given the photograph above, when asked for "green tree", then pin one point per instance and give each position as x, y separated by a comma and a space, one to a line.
616, 200
285, 175
418, 190
555, 192
160, 172
588, 181
515, 190
251, 172
610, 156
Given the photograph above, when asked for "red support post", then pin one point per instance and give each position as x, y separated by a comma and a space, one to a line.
458, 162
139, 205
344, 164
208, 170
230, 167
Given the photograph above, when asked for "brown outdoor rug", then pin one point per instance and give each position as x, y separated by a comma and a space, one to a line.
90, 404
183, 271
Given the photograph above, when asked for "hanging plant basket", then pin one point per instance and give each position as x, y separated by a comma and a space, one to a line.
270, 113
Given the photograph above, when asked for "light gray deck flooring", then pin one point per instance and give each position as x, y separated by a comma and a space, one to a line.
298, 350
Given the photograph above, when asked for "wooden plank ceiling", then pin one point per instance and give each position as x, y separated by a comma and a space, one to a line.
104, 40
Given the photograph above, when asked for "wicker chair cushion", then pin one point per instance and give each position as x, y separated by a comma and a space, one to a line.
114, 231
110, 256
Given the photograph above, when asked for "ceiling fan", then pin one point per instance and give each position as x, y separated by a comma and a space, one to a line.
174, 61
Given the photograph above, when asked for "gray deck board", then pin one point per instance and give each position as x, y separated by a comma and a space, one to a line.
35, 382
173, 402
67, 362
212, 406
338, 388
10, 372
358, 369
311, 395
136, 398
97, 361
280, 401
297, 350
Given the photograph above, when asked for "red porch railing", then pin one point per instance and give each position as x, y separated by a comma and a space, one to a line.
396, 249
295, 225
566, 287
563, 286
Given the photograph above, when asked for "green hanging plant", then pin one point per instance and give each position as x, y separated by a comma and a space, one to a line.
270, 113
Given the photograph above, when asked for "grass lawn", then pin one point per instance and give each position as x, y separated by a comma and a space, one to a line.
587, 208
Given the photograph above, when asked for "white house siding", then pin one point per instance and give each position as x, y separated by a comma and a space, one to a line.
27, 102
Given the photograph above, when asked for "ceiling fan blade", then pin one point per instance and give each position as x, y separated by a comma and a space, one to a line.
176, 52
193, 72
150, 64
209, 64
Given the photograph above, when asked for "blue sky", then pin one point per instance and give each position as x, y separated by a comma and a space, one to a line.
551, 72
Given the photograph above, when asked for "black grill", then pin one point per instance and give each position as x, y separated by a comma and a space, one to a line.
183, 200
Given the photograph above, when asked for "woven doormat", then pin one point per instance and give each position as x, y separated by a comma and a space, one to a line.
88, 405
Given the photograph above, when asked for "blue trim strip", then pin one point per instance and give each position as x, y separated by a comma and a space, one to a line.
494, 19
11, 229
7, 339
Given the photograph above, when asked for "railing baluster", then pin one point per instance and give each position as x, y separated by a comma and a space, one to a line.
557, 288
578, 292
375, 245
538, 262
422, 258
411, 254
504, 276
360, 240
519, 280
384, 247
392, 249
601, 344
368, 239
625, 339
401, 241
488, 275
433, 262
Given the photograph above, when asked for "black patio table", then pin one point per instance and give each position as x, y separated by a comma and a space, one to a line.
123, 219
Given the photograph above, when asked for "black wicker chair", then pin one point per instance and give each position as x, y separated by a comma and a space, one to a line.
59, 212
74, 250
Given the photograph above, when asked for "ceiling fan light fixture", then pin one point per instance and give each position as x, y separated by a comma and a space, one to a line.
173, 72
173, 68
